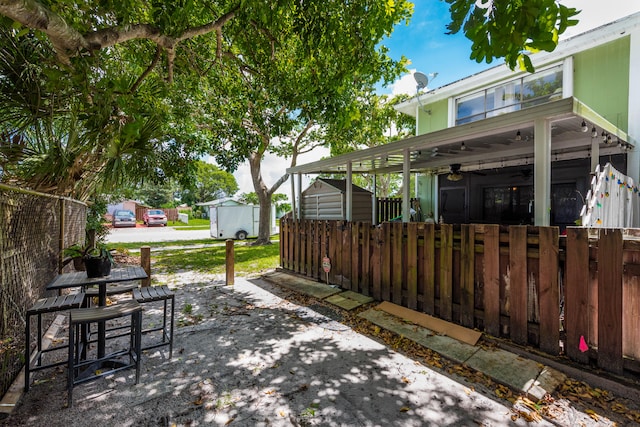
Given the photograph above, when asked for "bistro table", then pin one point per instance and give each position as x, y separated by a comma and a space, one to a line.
79, 279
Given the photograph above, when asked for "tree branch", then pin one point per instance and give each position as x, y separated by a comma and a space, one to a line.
147, 71
68, 42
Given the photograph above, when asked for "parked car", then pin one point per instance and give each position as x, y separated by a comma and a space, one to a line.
123, 218
154, 217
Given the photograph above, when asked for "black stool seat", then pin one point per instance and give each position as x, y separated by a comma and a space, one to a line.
42, 306
81, 317
149, 294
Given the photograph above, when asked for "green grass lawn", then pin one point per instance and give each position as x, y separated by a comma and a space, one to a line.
196, 222
248, 259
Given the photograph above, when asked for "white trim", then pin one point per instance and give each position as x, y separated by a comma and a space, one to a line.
567, 77
633, 126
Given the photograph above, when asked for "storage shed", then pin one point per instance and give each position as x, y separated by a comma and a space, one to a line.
325, 199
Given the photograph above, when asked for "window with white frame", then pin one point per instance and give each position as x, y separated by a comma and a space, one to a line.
527, 91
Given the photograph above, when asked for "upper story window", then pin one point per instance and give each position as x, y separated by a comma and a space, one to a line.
514, 95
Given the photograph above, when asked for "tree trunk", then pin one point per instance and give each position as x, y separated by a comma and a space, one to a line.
264, 199
264, 230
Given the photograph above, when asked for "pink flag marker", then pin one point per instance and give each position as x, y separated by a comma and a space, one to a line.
583, 344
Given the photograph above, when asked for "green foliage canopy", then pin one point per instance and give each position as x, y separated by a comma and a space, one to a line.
510, 28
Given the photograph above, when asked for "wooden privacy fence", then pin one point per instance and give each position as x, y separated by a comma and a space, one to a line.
523, 283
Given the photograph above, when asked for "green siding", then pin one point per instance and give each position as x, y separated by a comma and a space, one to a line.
601, 80
437, 120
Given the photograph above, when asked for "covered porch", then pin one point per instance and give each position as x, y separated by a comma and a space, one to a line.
511, 148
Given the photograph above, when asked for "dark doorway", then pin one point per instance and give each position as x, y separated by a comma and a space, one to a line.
453, 205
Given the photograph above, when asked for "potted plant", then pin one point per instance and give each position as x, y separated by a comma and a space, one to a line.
97, 261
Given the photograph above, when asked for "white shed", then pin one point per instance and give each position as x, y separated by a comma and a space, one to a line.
325, 199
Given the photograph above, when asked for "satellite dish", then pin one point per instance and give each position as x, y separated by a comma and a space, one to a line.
421, 79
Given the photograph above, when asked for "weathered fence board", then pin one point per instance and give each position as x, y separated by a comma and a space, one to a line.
412, 265
610, 271
467, 270
385, 260
492, 279
577, 293
446, 271
376, 264
365, 281
429, 293
517, 284
549, 290
396, 267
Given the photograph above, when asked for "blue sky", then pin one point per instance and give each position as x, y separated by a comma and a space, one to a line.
430, 50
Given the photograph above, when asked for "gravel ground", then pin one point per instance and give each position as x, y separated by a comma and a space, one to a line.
244, 356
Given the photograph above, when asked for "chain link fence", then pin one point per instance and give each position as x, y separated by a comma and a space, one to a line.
34, 229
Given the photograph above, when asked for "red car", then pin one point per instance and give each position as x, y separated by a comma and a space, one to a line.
154, 217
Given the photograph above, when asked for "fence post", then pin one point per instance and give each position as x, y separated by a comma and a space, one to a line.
61, 213
145, 262
229, 256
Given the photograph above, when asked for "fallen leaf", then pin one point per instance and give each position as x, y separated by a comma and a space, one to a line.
405, 409
406, 380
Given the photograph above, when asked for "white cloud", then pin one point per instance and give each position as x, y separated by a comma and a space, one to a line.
405, 85
273, 167
595, 13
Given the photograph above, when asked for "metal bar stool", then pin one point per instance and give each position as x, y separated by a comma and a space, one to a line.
109, 363
92, 292
150, 294
42, 306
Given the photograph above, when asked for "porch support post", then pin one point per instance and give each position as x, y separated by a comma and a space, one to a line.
633, 129
349, 193
299, 195
374, 201
542, 171
406, 187
595, 153
293, 197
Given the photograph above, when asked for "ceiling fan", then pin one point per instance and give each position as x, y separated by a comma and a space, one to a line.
525, 174
454, 172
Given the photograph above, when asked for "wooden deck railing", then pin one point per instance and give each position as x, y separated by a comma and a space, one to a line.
390, 208
522, 283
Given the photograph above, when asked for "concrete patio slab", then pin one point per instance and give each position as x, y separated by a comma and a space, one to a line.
348, 300
302, 285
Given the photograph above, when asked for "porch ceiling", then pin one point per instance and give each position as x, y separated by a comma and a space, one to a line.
489, 143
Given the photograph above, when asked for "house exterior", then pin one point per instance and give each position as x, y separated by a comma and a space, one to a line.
511, 147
